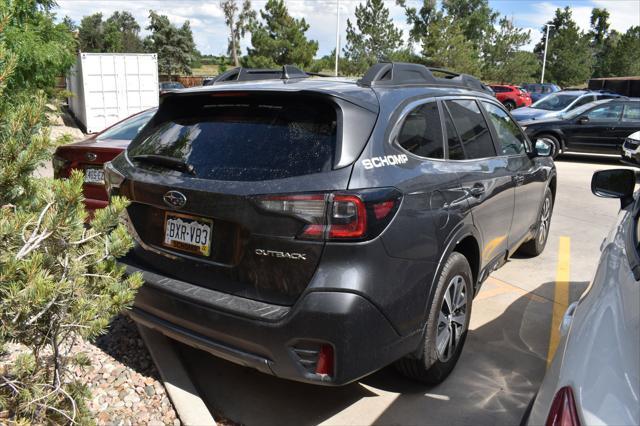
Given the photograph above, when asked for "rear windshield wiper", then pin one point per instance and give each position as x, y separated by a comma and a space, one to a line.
168, 162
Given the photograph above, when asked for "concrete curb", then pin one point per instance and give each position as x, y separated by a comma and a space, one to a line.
189, 406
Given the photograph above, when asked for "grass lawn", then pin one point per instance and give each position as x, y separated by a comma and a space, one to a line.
206, 70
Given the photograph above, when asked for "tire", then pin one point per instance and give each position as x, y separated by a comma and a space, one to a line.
536, 245
553, 140
510, 105
433, 364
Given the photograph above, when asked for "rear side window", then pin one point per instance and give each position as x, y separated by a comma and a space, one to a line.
244, 138
472, 129
510, 138
631, 112
421, 132
606, 112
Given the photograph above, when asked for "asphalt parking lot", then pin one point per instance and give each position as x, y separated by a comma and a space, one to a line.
512, 337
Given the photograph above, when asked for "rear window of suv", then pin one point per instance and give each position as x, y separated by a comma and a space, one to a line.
243, 138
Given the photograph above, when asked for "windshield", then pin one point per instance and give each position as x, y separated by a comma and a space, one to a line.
128, 128
245, 138
556, 101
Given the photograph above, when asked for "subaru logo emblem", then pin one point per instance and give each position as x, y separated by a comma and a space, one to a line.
91, 156
175, 199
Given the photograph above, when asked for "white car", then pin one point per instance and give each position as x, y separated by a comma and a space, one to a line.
631, 148
594, 378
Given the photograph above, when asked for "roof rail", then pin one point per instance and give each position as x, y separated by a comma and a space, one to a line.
390, 74
287, 72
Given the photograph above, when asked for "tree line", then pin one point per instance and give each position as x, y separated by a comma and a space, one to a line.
463, 35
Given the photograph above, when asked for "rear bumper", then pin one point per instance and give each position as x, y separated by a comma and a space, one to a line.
263, 336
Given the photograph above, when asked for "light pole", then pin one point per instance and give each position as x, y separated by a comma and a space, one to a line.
337, 35
544, 59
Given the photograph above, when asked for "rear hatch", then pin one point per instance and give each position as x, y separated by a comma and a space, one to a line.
230, 190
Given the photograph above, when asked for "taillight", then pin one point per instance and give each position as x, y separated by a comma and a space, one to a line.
337, 216
563, 409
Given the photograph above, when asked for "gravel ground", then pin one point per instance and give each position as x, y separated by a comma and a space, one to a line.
125, 384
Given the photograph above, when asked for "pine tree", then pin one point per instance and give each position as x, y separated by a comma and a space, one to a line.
238, 26
59, 280
280, 39
373, 38
625, 57
447, 47
569, 58
503, 60
475, 18
175, 46
601, 41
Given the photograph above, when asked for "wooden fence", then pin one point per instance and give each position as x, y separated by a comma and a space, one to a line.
187, 81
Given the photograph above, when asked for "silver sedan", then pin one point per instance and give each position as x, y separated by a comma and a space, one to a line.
594, 378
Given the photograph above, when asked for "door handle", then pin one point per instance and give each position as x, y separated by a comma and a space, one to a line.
477, 190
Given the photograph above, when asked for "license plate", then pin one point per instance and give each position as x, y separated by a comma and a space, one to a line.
94, 176
188, 233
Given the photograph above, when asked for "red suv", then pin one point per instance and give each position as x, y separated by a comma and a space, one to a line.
512, 96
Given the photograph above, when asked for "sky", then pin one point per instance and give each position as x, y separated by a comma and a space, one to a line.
210, 32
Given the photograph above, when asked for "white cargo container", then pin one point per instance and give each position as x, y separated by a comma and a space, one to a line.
111, 86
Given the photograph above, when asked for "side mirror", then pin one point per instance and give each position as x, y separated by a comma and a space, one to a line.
583, 120
614, 183
543, 148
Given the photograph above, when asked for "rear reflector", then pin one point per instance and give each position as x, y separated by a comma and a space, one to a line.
325, 361
563, 409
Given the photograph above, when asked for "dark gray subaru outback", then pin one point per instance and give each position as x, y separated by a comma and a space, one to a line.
320, 229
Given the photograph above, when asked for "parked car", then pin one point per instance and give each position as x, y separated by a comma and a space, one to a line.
559, 103
89, 155
599, 127
540, 90
321, 229
594, 377
631, 148
511, 97
169, 86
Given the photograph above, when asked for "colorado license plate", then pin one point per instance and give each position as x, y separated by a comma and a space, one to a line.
94, 176
188, 233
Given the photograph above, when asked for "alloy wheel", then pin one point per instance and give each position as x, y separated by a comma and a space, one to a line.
545, 221
452, 319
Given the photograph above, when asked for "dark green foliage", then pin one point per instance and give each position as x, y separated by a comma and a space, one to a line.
175, 46
475, 17
569, 58
373, 38
447, 47
118, 34
280, 39
503, 59
625, 57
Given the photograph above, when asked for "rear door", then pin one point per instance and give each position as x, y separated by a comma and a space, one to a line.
240, 218
595, 130
485, 177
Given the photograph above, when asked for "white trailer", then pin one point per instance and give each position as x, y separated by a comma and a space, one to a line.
108, 87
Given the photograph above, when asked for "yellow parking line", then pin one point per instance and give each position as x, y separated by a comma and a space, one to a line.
561, 294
